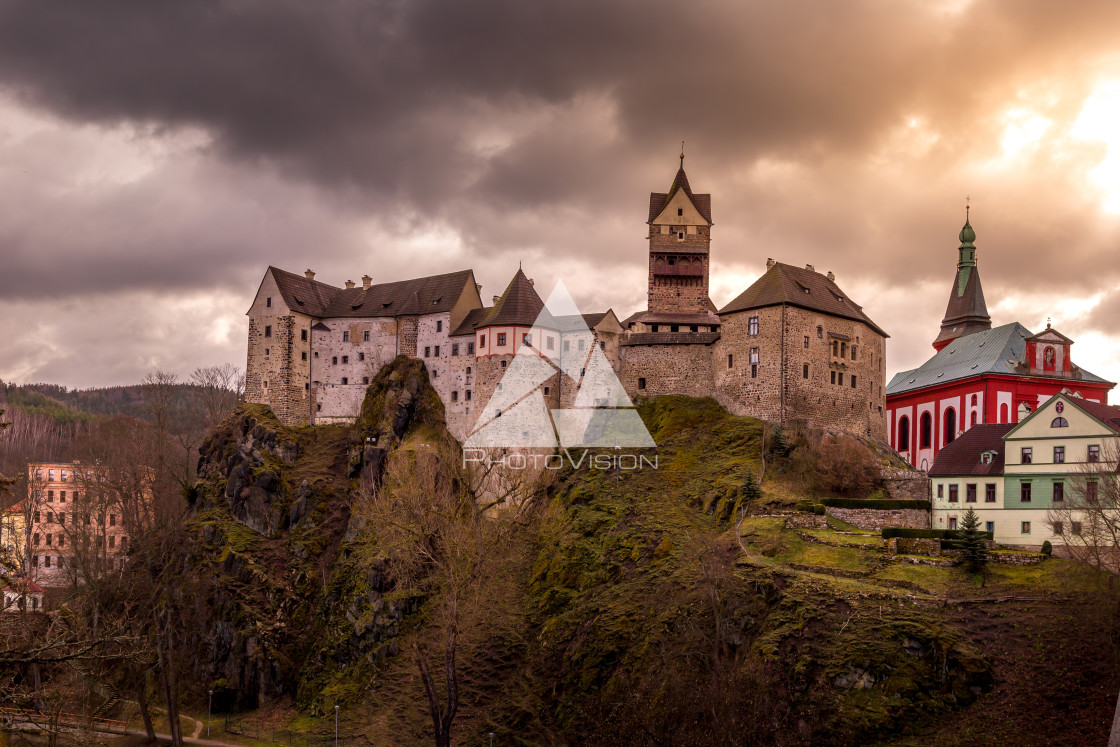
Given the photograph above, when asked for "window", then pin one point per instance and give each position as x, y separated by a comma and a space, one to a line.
470, 350
112, 541
365, 380
454, 396
950, 425
35, 539
970, 493
346, 336
674, 328
990, 492
1094, 453
454, 348
754, 370
61, 543
840, 378
36, 517
680, 211
653, 328
437, 351
853, 381
547, 390
952, 522
832, 376
986, 457
582, 371
501, 339
345, 380
641, 382
730, 360
468, 395
427, 351
954, 494
806, 341
820, 332
527, 338
603, 344
503, 364
46, 561
1059, 423
468, 370
1075, 527
268, 302
854, 351
268, 330
904, 433
266, 351
50, 496
482, 341
752, 326
345, 359
361, 356
940, 490
334, 360
990, 526
1025, 455
567, 345
580, 345
843, 350
303, 335
1059, 455
805, 371
365, 336
62, 517
754, 355
1026, 527
1059, 491
1090, 491
303, 355
1025, 492
550, 343
439, 325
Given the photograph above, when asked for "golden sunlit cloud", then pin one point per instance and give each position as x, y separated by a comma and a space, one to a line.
1099, 121
1024, 130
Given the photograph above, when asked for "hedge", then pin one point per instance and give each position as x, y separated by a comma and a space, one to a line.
875, 503
945, 534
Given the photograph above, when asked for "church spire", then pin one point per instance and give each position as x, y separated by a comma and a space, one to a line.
966, 311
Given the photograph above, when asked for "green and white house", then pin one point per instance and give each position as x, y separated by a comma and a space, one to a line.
1014, 474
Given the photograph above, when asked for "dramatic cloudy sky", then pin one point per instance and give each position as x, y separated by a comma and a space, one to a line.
156, 157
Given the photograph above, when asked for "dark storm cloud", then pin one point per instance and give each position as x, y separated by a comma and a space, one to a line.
332, 132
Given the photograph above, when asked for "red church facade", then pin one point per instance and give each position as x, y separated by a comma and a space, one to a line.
979, 374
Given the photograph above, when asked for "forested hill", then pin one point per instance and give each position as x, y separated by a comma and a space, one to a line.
66, 405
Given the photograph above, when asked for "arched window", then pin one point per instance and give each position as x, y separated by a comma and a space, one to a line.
950, 425
972, 419
974, 400
1003, 413
904, 433
927, 431
1059, 423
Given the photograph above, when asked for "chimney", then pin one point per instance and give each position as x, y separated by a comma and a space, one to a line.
770, 262
349, 284
309, 274
810, 268
830, 275
366, 282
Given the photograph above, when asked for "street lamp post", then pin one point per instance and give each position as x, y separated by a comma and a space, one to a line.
209, 702
336, 726
491, 739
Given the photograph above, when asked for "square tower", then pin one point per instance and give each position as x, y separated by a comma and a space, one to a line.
680, 224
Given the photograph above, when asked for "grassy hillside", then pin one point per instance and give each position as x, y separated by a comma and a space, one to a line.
624, 606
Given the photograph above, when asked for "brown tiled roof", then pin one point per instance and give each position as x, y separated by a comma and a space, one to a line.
802, 287
519, 305
966, 311
1107, 414
428, 295
657, 200
962, 457
669, 338
471, 321
302, 294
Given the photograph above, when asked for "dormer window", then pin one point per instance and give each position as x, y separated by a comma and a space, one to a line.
680, 211
1059, 422
986, 457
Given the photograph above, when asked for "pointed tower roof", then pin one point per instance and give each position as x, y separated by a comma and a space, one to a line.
658, 200
966, 311
518, 306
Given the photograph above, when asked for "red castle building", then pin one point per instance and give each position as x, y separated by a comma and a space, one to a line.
979, 374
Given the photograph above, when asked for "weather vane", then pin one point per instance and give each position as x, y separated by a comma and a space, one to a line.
967, 200
682, 153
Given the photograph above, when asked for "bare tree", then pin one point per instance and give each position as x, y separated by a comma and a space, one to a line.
438, 542
220, 389
1088, 517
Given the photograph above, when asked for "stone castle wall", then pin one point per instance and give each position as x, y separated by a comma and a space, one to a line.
874, 519
679, 293
667, 369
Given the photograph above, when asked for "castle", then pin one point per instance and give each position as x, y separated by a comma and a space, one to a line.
791, 347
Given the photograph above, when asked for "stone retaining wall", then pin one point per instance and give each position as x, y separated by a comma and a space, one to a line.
875, 518
905, 483
806, 521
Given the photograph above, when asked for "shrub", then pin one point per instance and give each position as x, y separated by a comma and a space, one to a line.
779, 447
1047, 548
805, 505
846, 466
876, 503
818, 509
946, 534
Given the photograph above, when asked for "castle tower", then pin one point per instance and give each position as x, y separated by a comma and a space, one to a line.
966, 312
680, 225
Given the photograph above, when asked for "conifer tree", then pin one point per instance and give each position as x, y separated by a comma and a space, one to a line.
973, 549
779, 447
